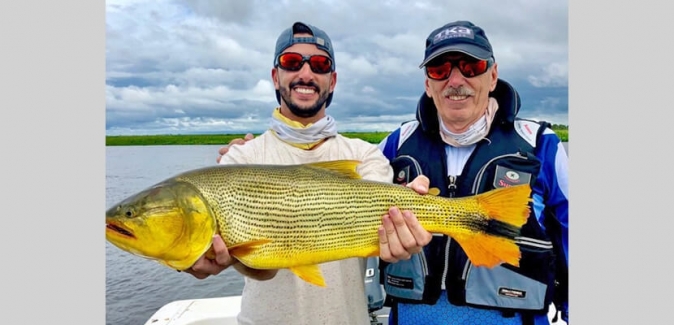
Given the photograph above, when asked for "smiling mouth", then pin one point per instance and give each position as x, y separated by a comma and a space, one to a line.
119, 230
305, 91
456, 97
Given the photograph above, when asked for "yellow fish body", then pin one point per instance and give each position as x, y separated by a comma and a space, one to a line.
298, 216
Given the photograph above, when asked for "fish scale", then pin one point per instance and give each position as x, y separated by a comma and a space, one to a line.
273, 216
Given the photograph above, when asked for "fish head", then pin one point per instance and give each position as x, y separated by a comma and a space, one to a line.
170, 222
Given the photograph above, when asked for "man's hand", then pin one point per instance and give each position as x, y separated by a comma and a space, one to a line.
401, 234
223, 150
205, 267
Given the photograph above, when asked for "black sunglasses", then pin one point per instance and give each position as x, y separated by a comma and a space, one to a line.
292, 61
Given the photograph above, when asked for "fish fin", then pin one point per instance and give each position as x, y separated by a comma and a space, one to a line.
509, 205
507, 209
434, 191
487, 250
309, 273
242, 249
345, 168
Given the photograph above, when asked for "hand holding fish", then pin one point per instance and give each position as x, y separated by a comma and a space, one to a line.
401, 235
206, 266
223, 150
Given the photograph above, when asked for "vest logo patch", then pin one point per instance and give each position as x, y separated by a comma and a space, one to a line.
527, 130
402, 177
512, 293
405, 283
505, 177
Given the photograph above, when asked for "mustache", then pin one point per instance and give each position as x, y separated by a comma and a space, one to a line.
460, 91
306, 84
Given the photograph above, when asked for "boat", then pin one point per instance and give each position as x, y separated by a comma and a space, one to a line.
218, 311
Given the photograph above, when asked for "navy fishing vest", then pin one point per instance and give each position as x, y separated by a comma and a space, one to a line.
498, 160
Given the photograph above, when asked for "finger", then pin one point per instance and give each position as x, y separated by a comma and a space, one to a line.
384, 252
421, 235
404, 234
237, 141
393, 232
222, 256
198, 275
204, 267
223, 150
420, 184
249, 136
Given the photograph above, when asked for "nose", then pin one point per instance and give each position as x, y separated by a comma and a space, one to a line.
305, 73
455, 78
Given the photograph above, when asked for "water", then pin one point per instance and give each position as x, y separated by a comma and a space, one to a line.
136, 287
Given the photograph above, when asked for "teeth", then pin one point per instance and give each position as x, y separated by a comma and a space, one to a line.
304, 90
458, 97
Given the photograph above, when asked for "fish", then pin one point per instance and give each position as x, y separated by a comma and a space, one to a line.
297, 217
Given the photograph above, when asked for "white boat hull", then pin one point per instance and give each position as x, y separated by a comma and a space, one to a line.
223, 311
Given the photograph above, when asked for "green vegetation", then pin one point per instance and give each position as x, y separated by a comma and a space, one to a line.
223, 139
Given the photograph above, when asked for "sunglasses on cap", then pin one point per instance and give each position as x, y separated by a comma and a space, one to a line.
292, 61
440, 68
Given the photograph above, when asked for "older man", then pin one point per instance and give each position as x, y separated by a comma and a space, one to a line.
467, 139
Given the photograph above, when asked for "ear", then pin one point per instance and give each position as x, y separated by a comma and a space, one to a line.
494, 76
428, 87
333, 80
274, 77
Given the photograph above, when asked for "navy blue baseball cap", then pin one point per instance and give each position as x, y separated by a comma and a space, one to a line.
318, 38
459, 36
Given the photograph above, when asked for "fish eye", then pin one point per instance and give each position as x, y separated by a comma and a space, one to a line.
129, 213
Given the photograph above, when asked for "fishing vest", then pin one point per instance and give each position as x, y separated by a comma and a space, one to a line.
505, 158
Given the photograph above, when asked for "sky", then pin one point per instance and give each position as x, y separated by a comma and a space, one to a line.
204, 66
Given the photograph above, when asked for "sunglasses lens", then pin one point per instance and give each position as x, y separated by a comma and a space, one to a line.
293, 62
472, 68
320, 64
439, 72
290, 61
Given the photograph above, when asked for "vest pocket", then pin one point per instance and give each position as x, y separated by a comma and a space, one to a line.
406, 279
520, 288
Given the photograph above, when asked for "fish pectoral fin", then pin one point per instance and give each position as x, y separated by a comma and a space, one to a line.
309, 273
242, 249
434, 191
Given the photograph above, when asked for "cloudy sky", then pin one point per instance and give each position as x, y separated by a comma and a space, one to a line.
203, 66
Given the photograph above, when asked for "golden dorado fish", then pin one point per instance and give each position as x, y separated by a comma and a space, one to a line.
299, 216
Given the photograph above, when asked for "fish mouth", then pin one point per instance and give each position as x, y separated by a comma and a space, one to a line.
119, 230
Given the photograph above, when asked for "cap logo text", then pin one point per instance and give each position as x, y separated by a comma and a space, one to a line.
456, 31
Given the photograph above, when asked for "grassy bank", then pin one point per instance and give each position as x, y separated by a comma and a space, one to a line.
223, 139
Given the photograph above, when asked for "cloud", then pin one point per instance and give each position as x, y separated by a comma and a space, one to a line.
190, 66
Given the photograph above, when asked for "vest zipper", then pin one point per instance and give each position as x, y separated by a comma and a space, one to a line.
451, 187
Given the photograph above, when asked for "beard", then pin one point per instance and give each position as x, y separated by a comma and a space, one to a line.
297, 110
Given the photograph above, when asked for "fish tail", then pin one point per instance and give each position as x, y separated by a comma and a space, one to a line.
507, 210
509, 205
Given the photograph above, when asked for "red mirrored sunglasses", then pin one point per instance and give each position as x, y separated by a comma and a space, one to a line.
292, 61
439, 69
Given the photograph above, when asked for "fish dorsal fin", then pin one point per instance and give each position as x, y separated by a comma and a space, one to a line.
309, 273
346, 168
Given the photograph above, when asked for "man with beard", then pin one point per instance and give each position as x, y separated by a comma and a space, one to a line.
301, 132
